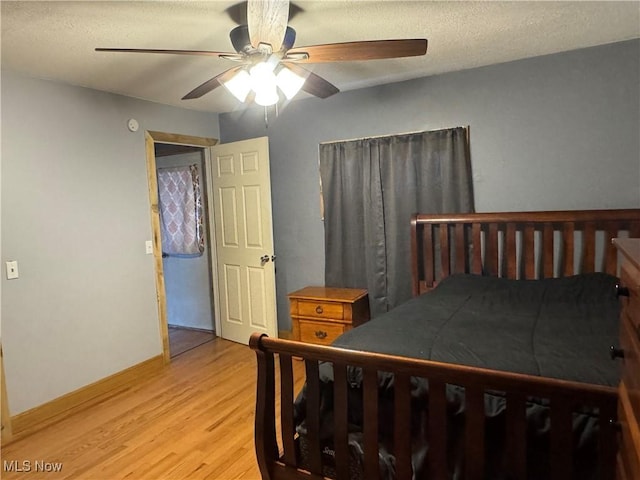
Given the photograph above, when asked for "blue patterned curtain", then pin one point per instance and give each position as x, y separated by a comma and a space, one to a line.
180, 211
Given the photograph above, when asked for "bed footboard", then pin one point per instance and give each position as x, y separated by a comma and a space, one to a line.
275, 435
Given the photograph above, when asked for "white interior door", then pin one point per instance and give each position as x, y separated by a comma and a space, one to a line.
240, 190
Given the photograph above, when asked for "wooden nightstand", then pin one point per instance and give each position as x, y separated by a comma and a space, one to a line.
321, 314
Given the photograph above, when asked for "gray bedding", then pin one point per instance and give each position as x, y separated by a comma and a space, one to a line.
558, 328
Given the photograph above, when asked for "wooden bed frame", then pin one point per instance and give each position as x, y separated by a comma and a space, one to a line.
523, 245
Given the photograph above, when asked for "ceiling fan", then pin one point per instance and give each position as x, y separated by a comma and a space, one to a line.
268, 62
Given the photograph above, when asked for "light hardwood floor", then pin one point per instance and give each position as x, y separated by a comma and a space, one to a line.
192, 420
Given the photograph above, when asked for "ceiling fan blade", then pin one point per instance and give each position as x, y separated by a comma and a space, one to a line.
367, 50
171, 52
314, 84
267, 21
211, 84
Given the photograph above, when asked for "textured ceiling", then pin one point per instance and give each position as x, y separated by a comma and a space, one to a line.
55, 40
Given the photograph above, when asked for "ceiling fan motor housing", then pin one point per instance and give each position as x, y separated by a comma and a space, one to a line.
242, 43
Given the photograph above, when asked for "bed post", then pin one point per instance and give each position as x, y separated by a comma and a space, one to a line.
265, 428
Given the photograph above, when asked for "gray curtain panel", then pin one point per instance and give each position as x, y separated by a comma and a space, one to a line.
371, 187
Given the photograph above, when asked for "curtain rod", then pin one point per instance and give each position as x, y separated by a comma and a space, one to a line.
394, 135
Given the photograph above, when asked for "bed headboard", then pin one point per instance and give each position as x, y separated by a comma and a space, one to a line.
518, 245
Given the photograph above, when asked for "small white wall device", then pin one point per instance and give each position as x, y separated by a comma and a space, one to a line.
12, 270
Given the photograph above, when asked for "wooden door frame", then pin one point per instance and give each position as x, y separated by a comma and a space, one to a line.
151, 138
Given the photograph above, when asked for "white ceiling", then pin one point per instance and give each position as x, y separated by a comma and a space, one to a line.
56, 39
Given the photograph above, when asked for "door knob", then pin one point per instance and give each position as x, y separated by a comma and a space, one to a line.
264, 259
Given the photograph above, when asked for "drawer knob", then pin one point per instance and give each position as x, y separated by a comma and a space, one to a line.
319, 310
320, 333
616, 352
622, 291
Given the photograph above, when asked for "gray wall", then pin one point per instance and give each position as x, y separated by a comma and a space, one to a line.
75, 215
187, 279
552, 132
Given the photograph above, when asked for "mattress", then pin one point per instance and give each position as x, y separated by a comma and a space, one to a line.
560, 328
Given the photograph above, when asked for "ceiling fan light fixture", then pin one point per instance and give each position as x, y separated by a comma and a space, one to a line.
263, 83
239, 85
289, 82
261, 74
267, 97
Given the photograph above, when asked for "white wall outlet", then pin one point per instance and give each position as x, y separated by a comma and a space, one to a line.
148, 246
12, 270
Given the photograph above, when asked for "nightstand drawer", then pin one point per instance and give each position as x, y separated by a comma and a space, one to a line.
320, 332
334, 311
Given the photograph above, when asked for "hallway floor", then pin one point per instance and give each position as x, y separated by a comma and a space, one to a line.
184, 339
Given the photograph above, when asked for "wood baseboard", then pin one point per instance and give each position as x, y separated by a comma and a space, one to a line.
27, 422
7, 429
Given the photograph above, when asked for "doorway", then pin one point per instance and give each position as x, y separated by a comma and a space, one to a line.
240, 216
168, 144
187, 278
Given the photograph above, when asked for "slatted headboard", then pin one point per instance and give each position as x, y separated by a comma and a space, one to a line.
517, 245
